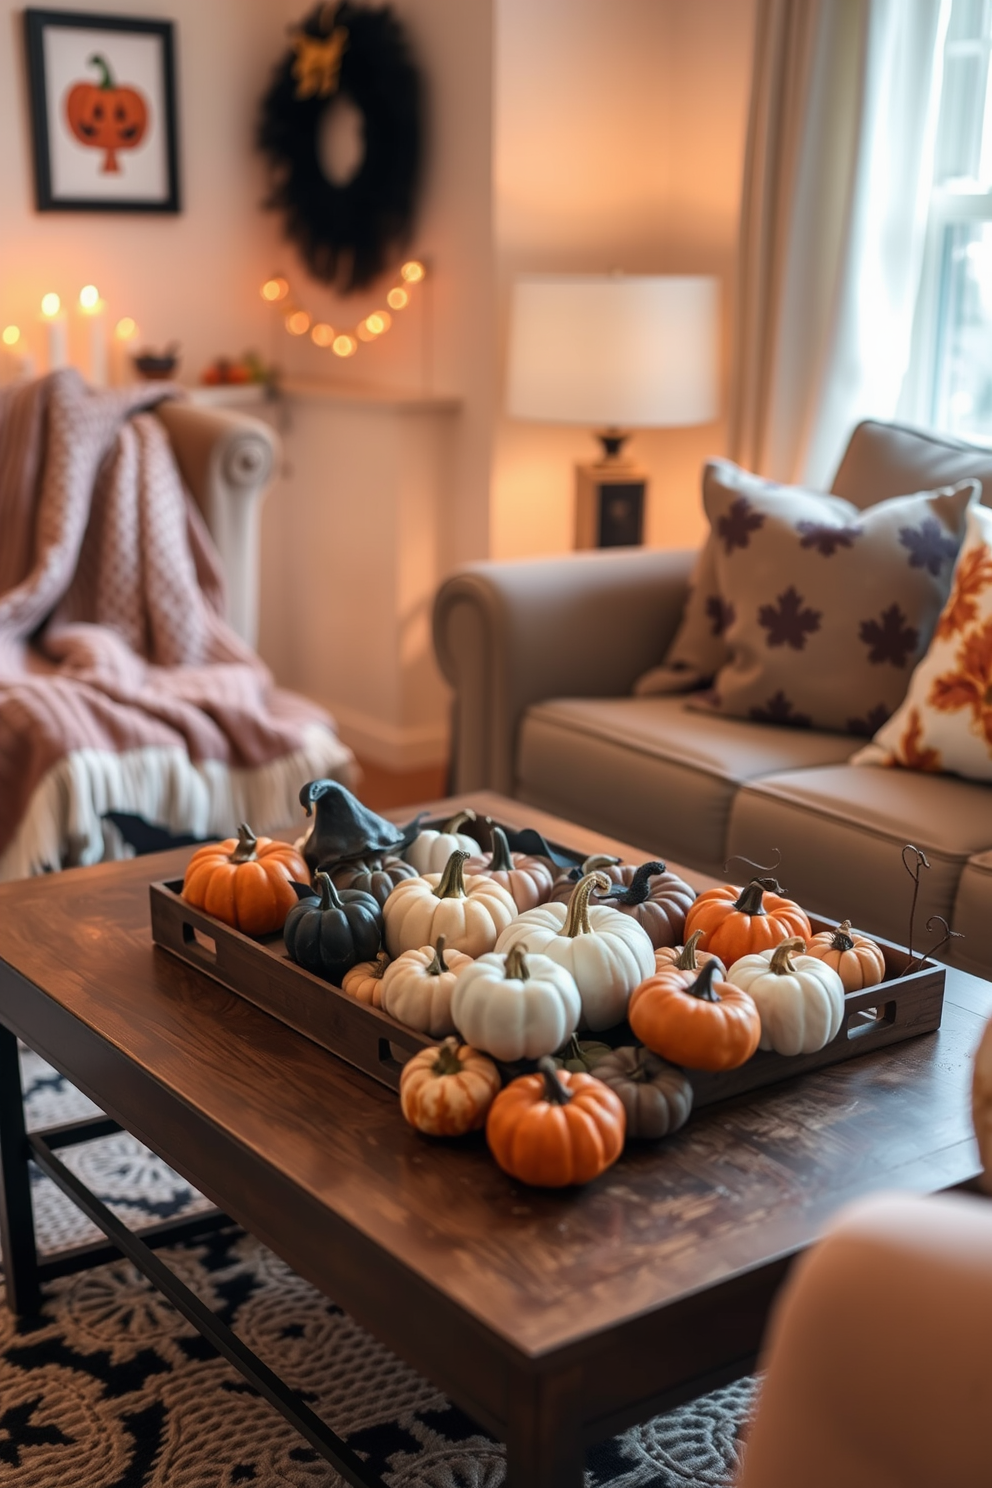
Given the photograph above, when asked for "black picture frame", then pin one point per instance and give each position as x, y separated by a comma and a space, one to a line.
49, 195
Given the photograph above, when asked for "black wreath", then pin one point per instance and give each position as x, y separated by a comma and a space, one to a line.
347, 234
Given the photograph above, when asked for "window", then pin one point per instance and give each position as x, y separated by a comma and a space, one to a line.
950, 380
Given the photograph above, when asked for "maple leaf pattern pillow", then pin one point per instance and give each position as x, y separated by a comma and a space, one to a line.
945, 721
822, 610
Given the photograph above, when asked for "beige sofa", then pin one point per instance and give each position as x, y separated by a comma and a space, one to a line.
542, 655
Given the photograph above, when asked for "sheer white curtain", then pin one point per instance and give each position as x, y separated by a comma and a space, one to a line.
836, 187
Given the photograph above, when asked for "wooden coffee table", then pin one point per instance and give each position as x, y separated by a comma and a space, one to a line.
554, 1319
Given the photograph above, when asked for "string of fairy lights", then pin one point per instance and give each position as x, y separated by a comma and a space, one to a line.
298, 321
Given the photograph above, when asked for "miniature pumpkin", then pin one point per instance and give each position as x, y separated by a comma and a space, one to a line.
469, 913
331, 934
447, 1091
736, 921
581, 1056
555, 1128
656, 1096
607, 954
565, 882
657, 900
687, 957
364, 981
246, 881
516, 1006
430, 850
375, 876
858, 961
417, 987
526, 877
344, 829
106, 116
800, 998
702, 1022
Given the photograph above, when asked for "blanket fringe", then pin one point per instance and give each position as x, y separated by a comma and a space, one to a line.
62, 826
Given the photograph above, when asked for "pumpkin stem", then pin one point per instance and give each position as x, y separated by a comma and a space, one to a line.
379, 966
501, 860
452, 885
638, 889
247, 843
447, 1061
329, 896
597, 861
687, 956
702, 987
515, 968
750, 900
577, 919
781, 962
106, 81
843, 940
459, 819
438, 965
555, 1093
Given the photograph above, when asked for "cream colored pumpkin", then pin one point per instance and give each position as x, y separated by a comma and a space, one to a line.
430, 851
469, 913
800, 999
364, 981
858, 961
607, 953
417, 987
517, 1006
527, 878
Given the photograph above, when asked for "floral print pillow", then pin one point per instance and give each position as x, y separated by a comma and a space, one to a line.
825, 609
945, 722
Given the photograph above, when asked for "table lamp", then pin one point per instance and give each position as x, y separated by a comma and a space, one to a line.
616, 352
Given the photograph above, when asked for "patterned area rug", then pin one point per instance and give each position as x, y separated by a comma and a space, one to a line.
111, 1389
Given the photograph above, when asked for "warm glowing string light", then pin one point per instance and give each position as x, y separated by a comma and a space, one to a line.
298, 322
89, 297
126, 329
11, 335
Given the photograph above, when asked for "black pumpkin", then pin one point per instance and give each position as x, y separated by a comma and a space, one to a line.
331, 934
375, 876
656, 1096
344, 828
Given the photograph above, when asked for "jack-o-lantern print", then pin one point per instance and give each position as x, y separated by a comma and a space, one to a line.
106, 116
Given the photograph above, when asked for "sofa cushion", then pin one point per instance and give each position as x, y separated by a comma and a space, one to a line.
883, 460
973, 916
840, 831
650, 770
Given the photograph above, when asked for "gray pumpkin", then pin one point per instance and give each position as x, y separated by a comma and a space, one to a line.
375, 876
656, 1095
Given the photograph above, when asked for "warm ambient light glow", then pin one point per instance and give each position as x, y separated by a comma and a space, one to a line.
378, 322
11, 335
345, 346
274, 290
126, 329
397, 299
322, 335
298, 323
413, 272
89, 297
50, 305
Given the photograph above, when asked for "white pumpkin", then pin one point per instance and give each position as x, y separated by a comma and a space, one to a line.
430, 851
518, 1006
608, 953
468, 912
528, 878
800, 998
417, 988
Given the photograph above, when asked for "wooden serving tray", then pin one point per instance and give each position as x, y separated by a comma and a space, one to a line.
901, 1007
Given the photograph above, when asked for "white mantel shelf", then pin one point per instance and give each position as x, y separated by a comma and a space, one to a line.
341, 394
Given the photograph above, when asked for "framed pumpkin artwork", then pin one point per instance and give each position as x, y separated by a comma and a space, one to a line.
103, 112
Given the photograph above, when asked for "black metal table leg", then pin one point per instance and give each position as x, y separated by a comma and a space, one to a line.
17, 1239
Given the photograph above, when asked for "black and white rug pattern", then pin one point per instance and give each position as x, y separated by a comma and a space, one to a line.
110, 1388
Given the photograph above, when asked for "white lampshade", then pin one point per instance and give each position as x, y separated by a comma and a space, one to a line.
627, 351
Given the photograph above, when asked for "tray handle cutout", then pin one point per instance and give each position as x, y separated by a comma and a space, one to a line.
871, 1019
200, 944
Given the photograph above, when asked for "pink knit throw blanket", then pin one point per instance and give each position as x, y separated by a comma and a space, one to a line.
121, 685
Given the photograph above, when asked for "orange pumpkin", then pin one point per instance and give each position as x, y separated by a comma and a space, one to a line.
687, 957
105, 116
448, 1090
364, 981
556, 1128
858, 961
738, 922
697, 1020
246, 881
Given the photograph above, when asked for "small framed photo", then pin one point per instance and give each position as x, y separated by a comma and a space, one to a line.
103, 112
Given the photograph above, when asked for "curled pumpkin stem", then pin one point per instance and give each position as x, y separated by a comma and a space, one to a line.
751, 900
702, 987
516, 968
452, 884
687, 956
329, 896
843, 939
247, 843
458, 820
938, 945
781, 962
379, 966
501, 860
438, 964
748, 863
637, 892
914, 862
577, 919
555, 1093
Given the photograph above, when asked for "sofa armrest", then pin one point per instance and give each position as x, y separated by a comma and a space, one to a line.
226, 460
508, 635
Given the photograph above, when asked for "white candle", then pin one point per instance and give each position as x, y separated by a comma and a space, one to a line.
124, 341
16, 363
56, 332
94, 313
